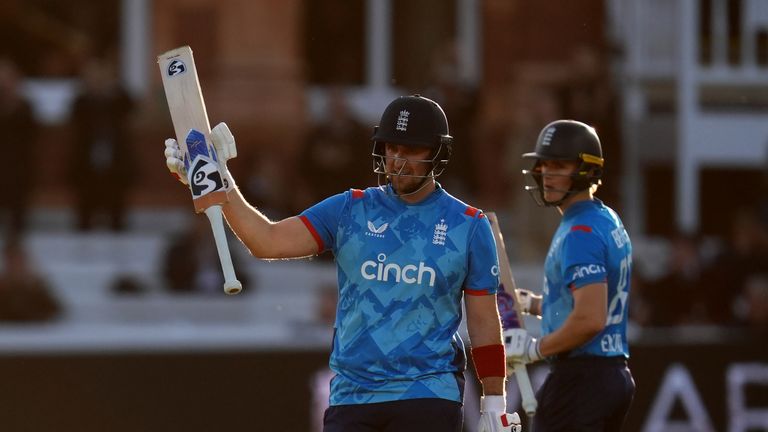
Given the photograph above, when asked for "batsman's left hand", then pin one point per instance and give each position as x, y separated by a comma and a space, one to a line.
521, 347
494, 418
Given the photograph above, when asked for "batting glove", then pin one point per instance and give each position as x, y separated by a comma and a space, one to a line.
174, 160
494, 418
521, 347
525, 298
224, 143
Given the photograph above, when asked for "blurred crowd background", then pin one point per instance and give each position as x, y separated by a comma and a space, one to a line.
84, 116
97, 237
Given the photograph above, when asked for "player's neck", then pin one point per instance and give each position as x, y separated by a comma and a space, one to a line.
421, 194
581, 196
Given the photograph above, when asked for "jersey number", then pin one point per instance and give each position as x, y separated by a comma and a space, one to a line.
619, 301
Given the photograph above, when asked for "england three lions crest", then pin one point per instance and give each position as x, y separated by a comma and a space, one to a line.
441, 231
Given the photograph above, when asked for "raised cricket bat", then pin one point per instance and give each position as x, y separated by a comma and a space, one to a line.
192, 129
508, 284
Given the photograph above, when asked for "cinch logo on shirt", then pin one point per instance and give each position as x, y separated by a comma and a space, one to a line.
409, 273
591, 269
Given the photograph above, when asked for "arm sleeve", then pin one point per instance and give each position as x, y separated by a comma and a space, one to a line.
584, 259
483, 272
322, 220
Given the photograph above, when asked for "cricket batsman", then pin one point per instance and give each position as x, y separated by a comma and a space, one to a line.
587, 276
407, 254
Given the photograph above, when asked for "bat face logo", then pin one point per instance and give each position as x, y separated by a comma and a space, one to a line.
176, 67
204, 177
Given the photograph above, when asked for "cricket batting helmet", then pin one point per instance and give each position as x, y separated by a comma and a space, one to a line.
566, 140
413, 121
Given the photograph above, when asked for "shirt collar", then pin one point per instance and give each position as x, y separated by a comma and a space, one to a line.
431, 198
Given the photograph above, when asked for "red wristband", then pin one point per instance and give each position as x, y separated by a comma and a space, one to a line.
490, 361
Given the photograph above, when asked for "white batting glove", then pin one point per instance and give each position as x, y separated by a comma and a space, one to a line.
521, 347
494, 416
174, 160
525, 298
224, 143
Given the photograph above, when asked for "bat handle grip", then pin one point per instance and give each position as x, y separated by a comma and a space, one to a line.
526, 391
231, 284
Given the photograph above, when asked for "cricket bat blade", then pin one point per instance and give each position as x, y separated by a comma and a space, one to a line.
507, 280
193, 130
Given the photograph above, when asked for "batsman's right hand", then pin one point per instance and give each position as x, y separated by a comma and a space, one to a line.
521, 347
224, 143
494, 418
525, 297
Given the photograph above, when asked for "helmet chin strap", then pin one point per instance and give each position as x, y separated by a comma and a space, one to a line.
537, 192
380, 169
542, 202
424, 182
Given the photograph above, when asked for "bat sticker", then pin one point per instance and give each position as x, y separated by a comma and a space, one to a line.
204, 177
506, 305
176, 67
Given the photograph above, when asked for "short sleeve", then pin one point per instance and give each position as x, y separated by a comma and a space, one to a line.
322, 219
584, 257
483, 272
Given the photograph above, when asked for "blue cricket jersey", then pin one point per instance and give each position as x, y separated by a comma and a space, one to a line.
402, 271
590, 246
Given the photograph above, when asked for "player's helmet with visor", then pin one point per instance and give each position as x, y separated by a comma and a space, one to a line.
566, 140
413, 121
